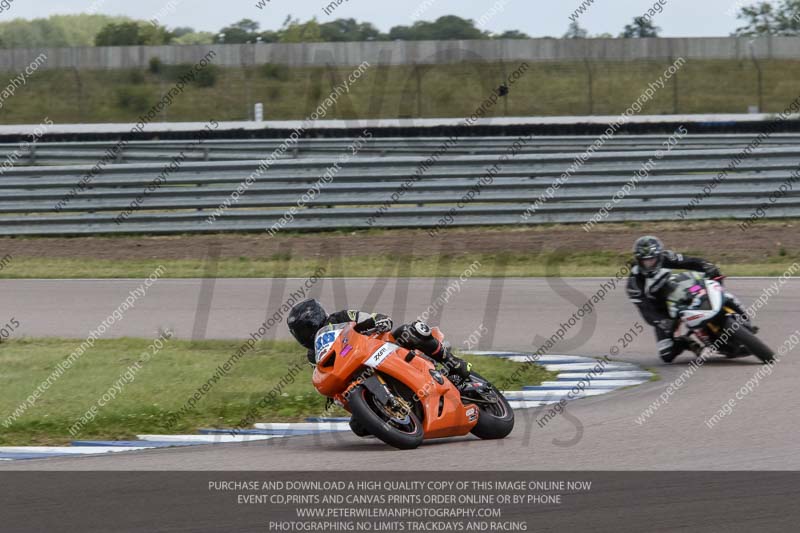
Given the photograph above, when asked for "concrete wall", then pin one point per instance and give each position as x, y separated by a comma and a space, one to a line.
410, 52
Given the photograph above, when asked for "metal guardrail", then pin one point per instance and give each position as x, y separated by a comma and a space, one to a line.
367, 187
57, 153
247, 150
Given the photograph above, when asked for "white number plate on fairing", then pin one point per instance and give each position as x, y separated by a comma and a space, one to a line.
325, 339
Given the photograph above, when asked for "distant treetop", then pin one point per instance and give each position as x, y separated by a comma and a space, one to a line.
781, 17
103, 30
766, 18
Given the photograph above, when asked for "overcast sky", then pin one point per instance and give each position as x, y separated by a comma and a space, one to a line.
680, 18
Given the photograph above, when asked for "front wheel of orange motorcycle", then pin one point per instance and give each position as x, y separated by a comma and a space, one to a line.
395, 426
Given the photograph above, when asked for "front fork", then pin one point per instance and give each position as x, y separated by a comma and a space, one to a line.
380, 390
732, 308
735, 307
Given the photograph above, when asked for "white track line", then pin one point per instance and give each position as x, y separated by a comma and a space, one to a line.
606, 383
71, 450
304, 426
619, 374
209, 439
590, 366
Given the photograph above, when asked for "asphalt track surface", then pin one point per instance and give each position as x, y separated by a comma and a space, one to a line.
599, 433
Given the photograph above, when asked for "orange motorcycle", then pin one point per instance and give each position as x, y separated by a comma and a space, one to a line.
399, 395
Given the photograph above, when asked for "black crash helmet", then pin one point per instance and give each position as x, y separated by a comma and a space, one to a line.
649, 253
304, 320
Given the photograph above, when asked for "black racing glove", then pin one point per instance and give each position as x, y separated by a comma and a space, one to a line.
712, 271
382, 323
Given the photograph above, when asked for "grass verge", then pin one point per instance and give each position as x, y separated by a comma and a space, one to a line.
579, 264
163, 385
547, 250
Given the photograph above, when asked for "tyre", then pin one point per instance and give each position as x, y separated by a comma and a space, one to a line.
495, 421
403, 433
358, 429
744, 336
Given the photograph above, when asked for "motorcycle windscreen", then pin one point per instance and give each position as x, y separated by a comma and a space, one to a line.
705, 305
681, 290
325, 339
714, 295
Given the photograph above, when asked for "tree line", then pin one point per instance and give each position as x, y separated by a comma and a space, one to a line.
759, 18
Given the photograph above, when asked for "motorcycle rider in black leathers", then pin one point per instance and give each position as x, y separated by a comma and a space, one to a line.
648, 286
308, 317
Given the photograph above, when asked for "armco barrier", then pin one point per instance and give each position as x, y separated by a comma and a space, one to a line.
56, 153
47, 200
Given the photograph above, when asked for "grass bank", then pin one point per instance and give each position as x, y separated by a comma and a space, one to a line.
551, 250
597, 264
149, 402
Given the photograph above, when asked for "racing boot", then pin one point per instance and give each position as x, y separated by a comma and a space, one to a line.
457, 369
695, 347
669, 349
683, 343
668, 358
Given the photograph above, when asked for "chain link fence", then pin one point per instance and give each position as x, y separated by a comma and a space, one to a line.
548, 88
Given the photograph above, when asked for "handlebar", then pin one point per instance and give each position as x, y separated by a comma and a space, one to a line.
368, 332
372, 331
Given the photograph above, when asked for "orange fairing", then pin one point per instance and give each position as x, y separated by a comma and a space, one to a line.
345, 357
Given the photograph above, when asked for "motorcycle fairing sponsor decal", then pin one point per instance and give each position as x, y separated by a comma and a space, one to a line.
325, 339
714, 294
695, 317
380, 354
472, 414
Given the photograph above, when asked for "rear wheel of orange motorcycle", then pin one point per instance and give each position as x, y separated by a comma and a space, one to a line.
495, 420
403, 432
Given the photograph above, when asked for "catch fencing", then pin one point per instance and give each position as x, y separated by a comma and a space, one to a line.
410, 52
